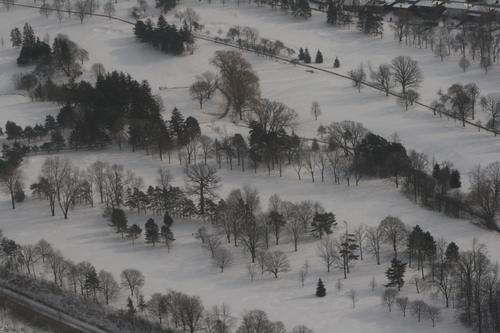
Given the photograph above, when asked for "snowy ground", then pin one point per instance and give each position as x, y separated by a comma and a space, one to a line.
86, 236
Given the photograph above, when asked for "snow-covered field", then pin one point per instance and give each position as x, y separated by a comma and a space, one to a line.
86, 235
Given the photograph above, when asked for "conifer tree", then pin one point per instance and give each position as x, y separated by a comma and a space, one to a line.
307, 56
322, 223
319, 57
301, 54
16, 38
336, 63
134, 231
119, 220
29, 38
320, 289
395, 274
167, 220
152, 232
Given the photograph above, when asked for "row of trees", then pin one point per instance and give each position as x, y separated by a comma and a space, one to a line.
173, 309
474, 39
165, 37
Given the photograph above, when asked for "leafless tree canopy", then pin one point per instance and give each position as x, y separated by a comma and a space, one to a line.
238, 83
406, 72
202, 180
132, 279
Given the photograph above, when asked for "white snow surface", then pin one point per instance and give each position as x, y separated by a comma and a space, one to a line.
87, 236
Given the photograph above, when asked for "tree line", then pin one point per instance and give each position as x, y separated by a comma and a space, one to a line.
173, 311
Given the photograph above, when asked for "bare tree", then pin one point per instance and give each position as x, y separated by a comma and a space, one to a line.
55, 263
222, 258
459, 101
347, 135
239, 83
403, 303
98, 69
46, 9
29, 255
373, 283
327, 252
219, 319
132, 279
374, 235
190, 310
433, 313
202, 180
464, 63
382, 77
274, 117
68, 5
92, 6
198, 92
295, 229
43, 249
277, 262
316, 110
58, 6
484, 194
418, 308
11, 181
251, 271
110, 290
491, 106
109, 9
70, 188
81, 8
353, 296
388, 297
360, 235
474, 92
357, 76
158, 306
191, 16
212, 243
301, 329
302, 276
96, 172
411, 96
406, 72
339, 285
393, 233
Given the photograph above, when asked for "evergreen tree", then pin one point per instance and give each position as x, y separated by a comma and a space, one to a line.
167, 235
29, 38
152, 232
319, 57
177, 124
307, 56
57, 139
322, 223
336, 63
130, 308
16, 38
301, 54
347, 248
134, 231
451, 253
167, 220
320, 289
455, 181
395, 274
92, 283
119, 221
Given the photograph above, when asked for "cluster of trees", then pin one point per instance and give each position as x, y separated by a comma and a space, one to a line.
336, 15
173, 309
474, 39
248, 38
417, 308
297, 8
165, 37
460, 100
65, 57
306, 57
369, 23
81, 8
240, 219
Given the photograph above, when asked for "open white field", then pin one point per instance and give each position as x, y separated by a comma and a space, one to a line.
86, 236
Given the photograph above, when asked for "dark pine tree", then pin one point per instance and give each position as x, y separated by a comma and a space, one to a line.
152, 232
336, 63
451, 253
322, 223
320, 289
319, 57
134, 232
455, 181
301, 54
16, 38
395, 274
168, 220
307, 56
119, 221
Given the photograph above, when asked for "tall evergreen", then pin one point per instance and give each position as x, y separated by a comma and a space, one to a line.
29, 38
16, 38
152, 232
319, 57
320, 289
119, 220
307, 56
301, 54
396, 273
336, 63
322, 223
